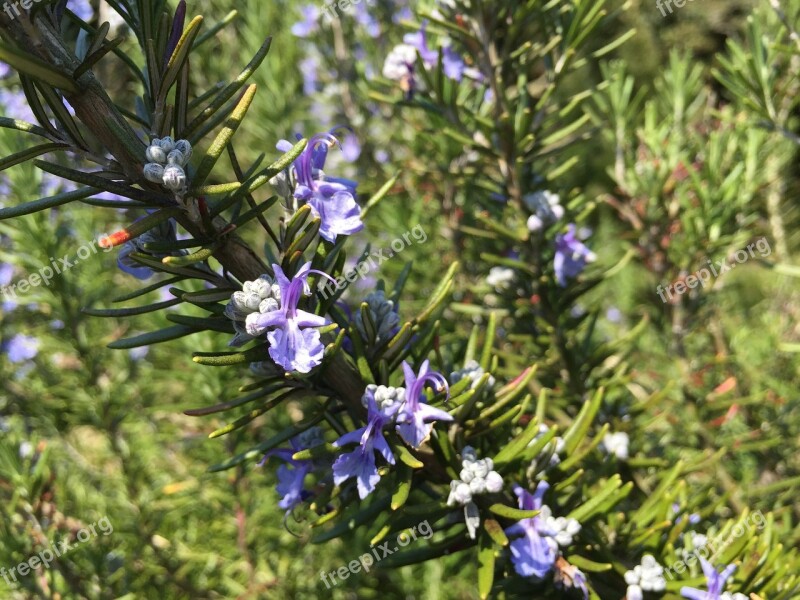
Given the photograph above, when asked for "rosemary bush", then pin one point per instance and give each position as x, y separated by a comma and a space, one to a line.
496, 313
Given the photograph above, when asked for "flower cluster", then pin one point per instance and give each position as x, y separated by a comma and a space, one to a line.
536, 542
384, 315
399, 64
292, 474
20, 348
571, 256
545, 208
166, 162
500, 278
715, 581
647, 577
413, 419
332, 199
477, 476
616, 444
360, 463
260, 296
472, 371
293, 338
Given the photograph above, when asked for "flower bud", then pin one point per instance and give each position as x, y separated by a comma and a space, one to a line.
534, 223
167, 143
246, 301
466, 475
468, 454
494, 482
481, 469
459, 493
472, 517
174, 178
154, 172
268, 305
176, 158
156, 154
185, 148
477, 485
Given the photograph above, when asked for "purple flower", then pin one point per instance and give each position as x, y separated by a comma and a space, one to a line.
366, 20
715, 582
21, 348
331, 200
82, 9
5, 188
309, 23
404, 14
5, 70
15, 105
452, 64
415, 418
6, 274
360, 463
419, 40
571, 256
535, 551
292, 474
293, 344
309, 67
351, 148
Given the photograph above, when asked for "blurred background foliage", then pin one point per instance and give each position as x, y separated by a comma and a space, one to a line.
89, 432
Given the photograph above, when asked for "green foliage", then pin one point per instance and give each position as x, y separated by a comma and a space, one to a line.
671, 169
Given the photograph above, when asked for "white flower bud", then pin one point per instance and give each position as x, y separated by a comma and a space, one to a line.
167, 143
459, 493
466, 475
246, 301
185, 148
281, 183
634, 593
468, 454
268, 305
176, 158
494, 482
174, 178
154, 172
477, 485
534, 223
382, 313
156, 154
473, 519
481, 469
